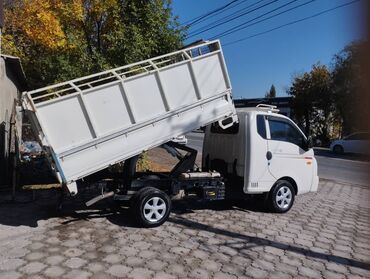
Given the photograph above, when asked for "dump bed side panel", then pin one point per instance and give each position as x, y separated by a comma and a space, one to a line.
101, 119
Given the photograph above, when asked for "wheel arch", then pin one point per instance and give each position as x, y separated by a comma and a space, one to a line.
291, 181
340, 145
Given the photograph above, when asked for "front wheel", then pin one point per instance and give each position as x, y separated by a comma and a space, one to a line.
281, 196
151, 207
338, 149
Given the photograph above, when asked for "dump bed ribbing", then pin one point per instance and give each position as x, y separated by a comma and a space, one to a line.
89, 123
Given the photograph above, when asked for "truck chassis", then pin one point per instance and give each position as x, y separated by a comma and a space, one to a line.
150, 193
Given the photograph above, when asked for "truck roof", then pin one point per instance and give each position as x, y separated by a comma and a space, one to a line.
266, 109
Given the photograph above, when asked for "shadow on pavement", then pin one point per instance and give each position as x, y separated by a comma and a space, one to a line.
191, 206
28, 210
256, 241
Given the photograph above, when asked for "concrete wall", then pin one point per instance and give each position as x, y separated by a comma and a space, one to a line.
8, 94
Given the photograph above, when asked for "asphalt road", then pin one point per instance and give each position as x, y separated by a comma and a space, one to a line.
345, 168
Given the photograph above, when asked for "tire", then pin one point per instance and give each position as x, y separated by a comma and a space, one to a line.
281, 197
151, 207
338, 149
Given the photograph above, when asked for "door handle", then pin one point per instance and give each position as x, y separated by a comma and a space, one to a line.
269, 155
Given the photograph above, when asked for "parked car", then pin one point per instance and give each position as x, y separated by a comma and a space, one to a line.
354, 143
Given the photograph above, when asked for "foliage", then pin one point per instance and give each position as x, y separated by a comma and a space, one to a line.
143, 164
63, 39
348, 77
312, 101
327, 102
271, 93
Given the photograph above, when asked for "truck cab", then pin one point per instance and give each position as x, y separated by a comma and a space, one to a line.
264, 153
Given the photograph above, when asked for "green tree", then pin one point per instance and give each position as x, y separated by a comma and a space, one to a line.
58, 40
271, 93
312, 101
348, 77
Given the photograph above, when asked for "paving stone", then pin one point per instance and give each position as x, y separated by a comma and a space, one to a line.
36, 246
10, 274
101, 275
54, 260
141, 273
256, 272
180, 250
54, 271
222, 275
17, 252
163, 275
309, 272
95, 267
77, 274
73, 252
280, 275
32, 268
177, 269
112, 258
201, 243
119, 270
336, 268
359, 271
11, 264
228, 251
147, 254
211, 265
35, 256
333, 275
72, 243
264, 265
75, 262
200, 273
285, 268
134, 261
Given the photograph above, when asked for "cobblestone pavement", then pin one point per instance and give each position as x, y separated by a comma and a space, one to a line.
325, 235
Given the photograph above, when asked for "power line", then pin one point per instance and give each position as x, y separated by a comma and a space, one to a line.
196, 19
219, 12
291, 23
244, 25
222, 23
226, 17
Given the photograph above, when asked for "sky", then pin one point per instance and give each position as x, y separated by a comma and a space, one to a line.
274, 58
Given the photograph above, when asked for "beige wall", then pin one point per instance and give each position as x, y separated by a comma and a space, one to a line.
8, 93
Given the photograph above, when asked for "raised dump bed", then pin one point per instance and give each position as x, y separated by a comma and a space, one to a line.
89, 123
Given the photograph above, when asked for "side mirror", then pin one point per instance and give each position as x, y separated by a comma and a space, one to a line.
309, 143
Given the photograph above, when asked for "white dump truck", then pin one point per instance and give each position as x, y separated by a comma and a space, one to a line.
88, 124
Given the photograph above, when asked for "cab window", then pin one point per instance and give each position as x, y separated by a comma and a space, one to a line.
282, 130
261, 127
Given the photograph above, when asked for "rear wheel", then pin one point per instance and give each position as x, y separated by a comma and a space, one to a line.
281, 197
151, 207
338, 149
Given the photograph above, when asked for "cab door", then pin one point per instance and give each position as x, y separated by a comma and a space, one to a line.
288, 153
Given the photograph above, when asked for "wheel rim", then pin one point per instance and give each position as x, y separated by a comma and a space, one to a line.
284, 197
154, 209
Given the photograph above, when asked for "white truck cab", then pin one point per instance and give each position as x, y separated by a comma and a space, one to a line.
265, 152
